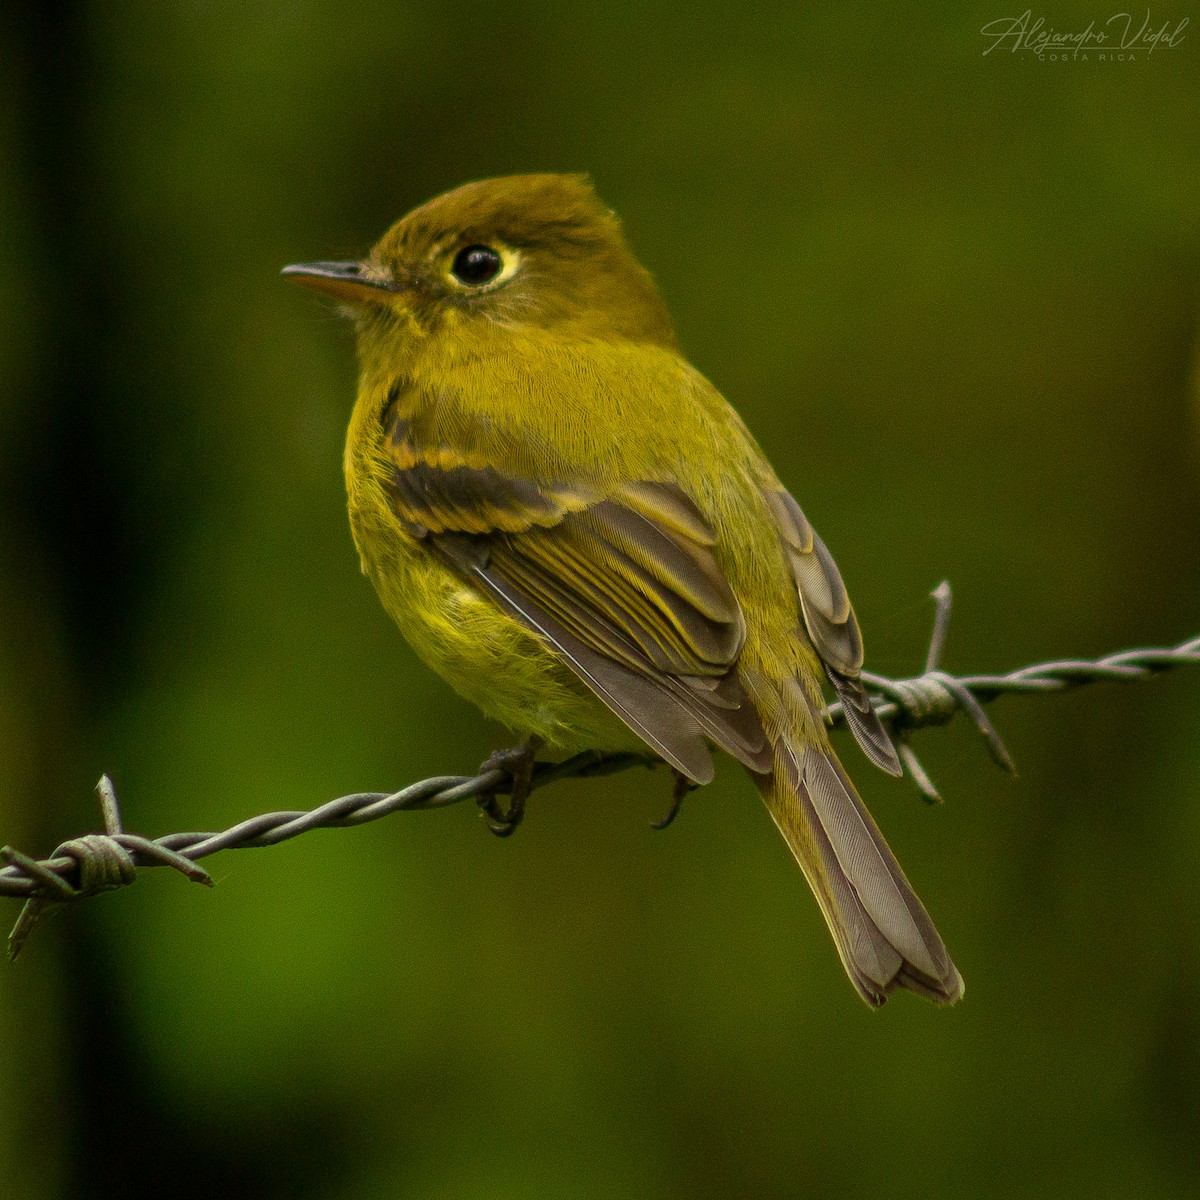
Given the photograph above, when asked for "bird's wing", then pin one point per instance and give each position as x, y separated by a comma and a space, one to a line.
623, 584
831, 625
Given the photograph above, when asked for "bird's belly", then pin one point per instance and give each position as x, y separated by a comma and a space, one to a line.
485, 654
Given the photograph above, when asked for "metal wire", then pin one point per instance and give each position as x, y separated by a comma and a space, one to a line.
101, 862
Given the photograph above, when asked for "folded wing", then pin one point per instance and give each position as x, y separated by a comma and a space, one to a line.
622, 584
831, 625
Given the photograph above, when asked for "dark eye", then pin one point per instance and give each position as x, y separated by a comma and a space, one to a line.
474, 265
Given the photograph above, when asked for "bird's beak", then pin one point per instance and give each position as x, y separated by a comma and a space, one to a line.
342, 280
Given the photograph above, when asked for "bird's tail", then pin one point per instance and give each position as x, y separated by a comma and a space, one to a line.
883, 933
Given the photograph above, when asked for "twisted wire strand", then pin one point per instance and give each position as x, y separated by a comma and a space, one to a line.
101, 862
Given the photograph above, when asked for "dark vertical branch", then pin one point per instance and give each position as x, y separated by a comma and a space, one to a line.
64, 488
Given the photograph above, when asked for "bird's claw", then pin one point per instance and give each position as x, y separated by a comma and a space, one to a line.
683, 785
517, 763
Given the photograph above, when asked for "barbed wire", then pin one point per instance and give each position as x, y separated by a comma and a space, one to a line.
99, 862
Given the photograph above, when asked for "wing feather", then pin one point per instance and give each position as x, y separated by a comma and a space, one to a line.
832, 627
624, 587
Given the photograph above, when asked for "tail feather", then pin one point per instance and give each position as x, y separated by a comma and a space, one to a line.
883, 933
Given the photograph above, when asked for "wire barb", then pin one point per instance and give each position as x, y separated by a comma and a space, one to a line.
100, 862
932, 699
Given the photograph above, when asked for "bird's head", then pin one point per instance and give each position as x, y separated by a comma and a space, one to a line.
520, 251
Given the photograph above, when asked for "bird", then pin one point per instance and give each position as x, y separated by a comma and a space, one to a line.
571, 525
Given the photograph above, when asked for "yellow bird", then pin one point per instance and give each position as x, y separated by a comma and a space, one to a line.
573, 527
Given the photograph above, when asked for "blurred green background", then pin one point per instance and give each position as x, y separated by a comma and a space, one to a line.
954, 294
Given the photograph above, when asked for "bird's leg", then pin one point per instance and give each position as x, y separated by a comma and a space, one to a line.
683, 785
518, 763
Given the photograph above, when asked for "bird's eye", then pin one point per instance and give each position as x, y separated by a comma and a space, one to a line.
476, 265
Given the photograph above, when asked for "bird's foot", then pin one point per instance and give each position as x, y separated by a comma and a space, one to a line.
517, 763
683, 785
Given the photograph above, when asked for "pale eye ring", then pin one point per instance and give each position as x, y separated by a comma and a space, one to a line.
476, 265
